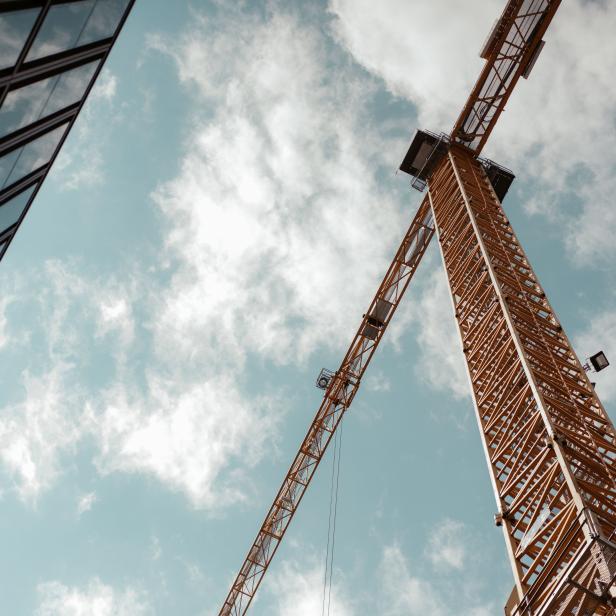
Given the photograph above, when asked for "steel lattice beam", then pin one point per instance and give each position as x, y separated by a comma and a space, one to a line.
549, 443
513, 45
336, 401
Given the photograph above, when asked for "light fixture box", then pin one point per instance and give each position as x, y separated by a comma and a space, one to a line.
599, 361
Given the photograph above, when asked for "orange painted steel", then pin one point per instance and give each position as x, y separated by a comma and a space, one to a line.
549, 444
336, 400
513, 45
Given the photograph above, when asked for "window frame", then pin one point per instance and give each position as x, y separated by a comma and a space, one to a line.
23, 73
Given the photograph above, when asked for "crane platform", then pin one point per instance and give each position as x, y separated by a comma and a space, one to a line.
426, 152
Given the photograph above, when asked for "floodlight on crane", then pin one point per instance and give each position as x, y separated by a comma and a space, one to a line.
325, 378
596, 362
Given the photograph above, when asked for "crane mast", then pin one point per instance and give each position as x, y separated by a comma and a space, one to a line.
549, 444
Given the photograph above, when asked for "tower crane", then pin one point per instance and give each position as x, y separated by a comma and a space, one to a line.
548, 442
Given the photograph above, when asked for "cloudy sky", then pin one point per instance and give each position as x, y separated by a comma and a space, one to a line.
208, 240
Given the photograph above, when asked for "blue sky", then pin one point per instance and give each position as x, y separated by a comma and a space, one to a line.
208, 240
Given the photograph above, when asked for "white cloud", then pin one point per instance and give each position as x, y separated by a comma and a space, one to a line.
4, 333
566, 142
424, 52
298, 590
85, 502
116, 315
187, 436
156, 550
46, 422
78, 172
553, 130
191, 426
446, 547
295, 586
116, 322
273, 208
96, 599
276, 221
441, 364
81, 162
378, 381
106, 86
35, 432
600, 335
405, 593
194, 572
40, 419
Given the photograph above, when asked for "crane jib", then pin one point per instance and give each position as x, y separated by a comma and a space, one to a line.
337, 399
510, 53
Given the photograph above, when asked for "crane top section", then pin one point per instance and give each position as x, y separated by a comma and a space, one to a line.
426, 152
510, 51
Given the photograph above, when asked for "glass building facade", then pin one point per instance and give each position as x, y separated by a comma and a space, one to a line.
51, 52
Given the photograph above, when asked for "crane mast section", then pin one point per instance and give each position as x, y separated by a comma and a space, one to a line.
337, 399
510, 52
549, 444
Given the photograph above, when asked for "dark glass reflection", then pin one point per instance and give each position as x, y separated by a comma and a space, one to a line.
18, 163
61, 29
14, 30
103, 21
37, 100
12, 209
43, 91
77, 23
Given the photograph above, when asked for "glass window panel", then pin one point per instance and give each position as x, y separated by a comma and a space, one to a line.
7, 163
15, 165
61, 29
77, 23
12, 209
14, 29
70, 88
26, 105
103, 21
23, 106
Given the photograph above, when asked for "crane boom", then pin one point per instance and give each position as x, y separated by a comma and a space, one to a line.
510, 50
337, 398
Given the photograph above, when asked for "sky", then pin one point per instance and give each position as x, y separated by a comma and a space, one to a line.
217, 223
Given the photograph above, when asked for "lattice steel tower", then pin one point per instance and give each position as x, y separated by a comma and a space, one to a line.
549, 444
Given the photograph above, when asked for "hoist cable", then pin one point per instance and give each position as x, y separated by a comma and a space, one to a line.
336, 464
329, 523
